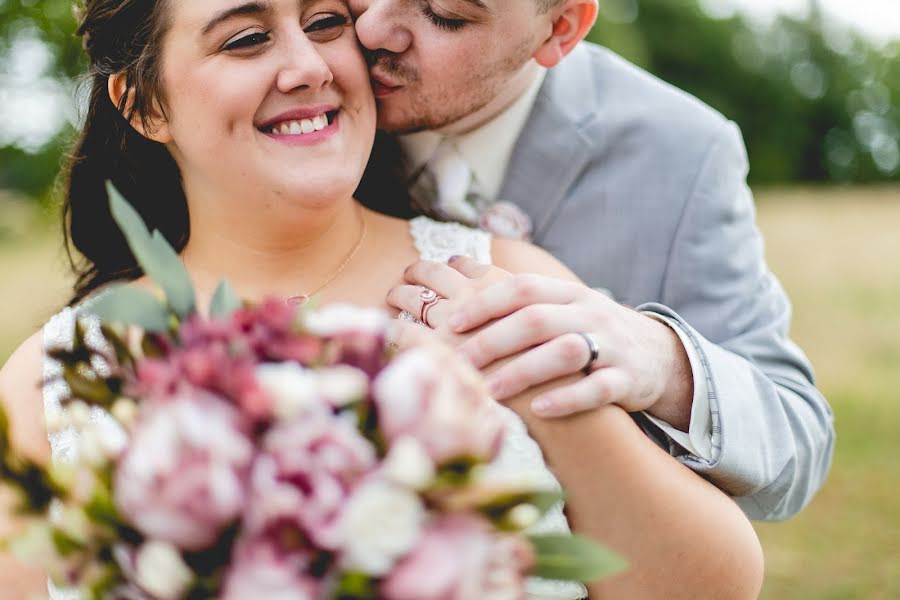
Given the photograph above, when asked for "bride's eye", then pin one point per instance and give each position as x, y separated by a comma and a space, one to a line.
248, 41
327, 28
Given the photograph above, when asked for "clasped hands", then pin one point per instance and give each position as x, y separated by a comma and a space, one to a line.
532, 325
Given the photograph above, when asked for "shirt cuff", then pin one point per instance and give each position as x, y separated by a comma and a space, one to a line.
698, 439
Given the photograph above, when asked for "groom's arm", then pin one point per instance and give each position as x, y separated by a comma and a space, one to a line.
771, 431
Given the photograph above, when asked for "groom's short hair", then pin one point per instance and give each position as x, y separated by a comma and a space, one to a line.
545, 5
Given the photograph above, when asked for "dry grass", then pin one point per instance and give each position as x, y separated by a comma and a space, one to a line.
837, 251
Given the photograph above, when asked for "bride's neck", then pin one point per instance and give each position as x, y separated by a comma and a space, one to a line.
272, 252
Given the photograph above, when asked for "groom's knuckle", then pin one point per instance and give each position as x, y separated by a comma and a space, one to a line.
534, 319
571, 348
526, 287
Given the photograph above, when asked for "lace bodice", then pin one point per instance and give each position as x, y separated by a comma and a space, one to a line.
520, 454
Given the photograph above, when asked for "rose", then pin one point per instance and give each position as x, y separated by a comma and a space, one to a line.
181, 480
460, 557
262, 568
305, 473
432, 396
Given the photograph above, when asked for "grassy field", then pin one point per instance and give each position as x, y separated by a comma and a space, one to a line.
837, 252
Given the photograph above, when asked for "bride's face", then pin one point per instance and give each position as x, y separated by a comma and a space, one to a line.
266, 99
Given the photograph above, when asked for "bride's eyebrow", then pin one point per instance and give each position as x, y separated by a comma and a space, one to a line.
256, 7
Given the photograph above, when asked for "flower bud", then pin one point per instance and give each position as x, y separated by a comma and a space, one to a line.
408, 464
125, 411
523, 516
161, 571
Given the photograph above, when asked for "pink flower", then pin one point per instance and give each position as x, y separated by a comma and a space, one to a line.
460, 557
506, 220
431, 395
305, 475
261, 568
182, 478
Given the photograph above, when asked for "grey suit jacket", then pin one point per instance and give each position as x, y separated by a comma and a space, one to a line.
640, 189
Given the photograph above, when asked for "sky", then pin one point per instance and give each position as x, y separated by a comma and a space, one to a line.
880, 19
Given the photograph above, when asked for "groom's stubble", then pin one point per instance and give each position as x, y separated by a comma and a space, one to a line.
436, 102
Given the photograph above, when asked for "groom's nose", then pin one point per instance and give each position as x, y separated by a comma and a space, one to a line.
382, 24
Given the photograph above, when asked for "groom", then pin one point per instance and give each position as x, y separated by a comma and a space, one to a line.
509, 120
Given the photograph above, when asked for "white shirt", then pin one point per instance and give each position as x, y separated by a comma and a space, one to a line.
488, 150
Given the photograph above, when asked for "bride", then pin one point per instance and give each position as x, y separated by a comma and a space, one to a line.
241, 130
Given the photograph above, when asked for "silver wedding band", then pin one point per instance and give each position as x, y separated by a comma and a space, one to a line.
593, 349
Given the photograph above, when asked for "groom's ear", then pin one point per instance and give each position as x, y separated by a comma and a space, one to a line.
572, 21
154, 128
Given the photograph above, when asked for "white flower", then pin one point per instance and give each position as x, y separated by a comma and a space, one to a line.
336, 319
380, 524
161, 571
408, 464
292, 388
343, 384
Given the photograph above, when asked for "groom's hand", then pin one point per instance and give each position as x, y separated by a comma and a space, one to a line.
537, 323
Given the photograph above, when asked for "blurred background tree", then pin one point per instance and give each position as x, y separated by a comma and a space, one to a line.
816, 101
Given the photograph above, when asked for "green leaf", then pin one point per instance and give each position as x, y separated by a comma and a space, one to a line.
130, 305
225, 301
574, 558
154, 254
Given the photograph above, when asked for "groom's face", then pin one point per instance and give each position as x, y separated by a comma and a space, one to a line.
434, 62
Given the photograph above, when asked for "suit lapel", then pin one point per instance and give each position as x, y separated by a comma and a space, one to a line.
551, 151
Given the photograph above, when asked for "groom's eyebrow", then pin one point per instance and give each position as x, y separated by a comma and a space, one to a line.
250, 8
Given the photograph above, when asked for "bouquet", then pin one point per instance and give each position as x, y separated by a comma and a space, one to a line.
273, 451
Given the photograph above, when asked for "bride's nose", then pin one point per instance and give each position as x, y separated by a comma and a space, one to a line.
303, 68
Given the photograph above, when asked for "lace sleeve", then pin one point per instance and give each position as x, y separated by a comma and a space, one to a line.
59, 333
439, 241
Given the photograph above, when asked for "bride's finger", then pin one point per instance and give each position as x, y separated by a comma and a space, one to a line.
511, 294
561, 356
524, 329
436, 276
600, 388
410, 298
403, 335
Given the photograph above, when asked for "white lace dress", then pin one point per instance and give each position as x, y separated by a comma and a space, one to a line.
519, 454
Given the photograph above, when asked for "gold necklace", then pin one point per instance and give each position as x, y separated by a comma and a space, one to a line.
304, 298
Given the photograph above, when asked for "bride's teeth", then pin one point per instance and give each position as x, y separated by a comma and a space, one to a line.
301, 127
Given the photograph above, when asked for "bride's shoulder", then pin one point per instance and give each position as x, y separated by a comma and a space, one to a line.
522, 257
21, 396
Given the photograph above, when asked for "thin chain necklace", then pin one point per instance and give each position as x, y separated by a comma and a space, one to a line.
304, 298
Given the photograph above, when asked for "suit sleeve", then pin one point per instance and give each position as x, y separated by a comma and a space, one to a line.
772, 431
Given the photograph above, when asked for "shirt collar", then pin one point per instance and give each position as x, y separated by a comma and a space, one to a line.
487, 149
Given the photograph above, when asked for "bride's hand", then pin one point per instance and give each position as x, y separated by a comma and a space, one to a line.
536, 326
453, 285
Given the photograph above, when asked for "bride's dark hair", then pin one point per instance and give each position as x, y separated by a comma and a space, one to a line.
125, 36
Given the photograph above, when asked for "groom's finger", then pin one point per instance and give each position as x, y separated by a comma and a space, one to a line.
510, 295
561, 356
531, 326
600, 388
469, 267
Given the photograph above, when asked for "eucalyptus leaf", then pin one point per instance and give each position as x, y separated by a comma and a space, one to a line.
574, 558
154, 254
225, 301
130, 305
